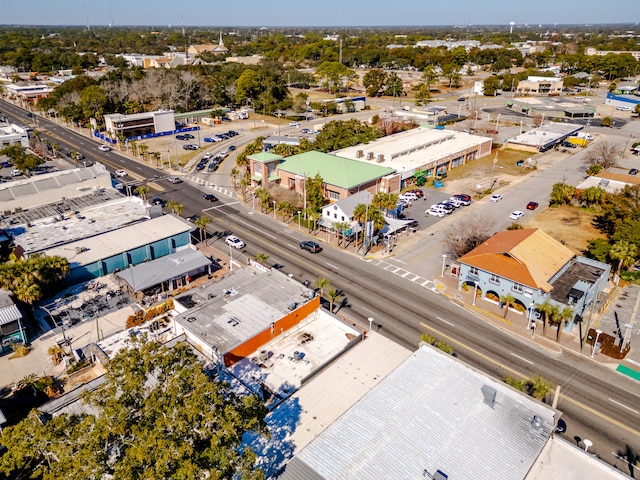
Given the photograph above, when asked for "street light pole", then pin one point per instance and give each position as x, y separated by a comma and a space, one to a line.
370, 323
444, 259
595, 343
230, 259
475, 293
298, 220
274, 209
531, 305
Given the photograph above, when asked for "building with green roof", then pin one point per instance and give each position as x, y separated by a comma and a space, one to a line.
342, 176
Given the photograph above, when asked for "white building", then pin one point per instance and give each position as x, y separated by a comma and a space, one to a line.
12, 134
139, 124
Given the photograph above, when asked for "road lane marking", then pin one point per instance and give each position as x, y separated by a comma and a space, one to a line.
522, 358
292, 246
415, 278
404, 275
624, 406
515, 372
331, 265
425, 283
445, 321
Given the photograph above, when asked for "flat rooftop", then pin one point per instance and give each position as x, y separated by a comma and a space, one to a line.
414, 148
120, 240
317, 339
431, 413
228, 312
545, 134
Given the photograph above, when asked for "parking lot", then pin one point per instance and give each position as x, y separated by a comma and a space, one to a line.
416, 211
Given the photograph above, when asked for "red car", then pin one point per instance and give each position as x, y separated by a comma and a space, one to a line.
418, 192
532, 205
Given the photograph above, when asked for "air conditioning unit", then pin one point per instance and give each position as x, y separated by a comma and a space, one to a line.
380, 158
370, 155
360, 154
264, 355
297, 355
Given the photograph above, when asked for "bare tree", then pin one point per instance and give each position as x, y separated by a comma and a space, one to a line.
603, 153
464, 236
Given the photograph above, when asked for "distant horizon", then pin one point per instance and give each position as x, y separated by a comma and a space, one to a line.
327, 14
321, 27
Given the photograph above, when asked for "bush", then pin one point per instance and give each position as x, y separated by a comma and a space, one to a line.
20, 350
492, 296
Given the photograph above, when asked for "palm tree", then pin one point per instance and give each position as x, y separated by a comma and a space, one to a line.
134, 147
156, 156
508, 301
341, 227
244, 183
261, 257
624, 252
142, 190
321, 283
74, 156
314, 216
547, 309
334, 296
565, 314
540, 387
265, 198
143, 149
175, 207
202, 223
55, 147
285, 208
385, 201
234, 176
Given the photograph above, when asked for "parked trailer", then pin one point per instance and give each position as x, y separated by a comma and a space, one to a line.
580, 142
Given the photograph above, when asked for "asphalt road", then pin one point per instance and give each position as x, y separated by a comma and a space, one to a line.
596, 403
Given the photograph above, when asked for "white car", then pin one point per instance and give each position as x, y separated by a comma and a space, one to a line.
517, 215
624, 109
16, 173
435, 212
235, 242
410, 195
104, 148
121, 173
496, 197
294, 124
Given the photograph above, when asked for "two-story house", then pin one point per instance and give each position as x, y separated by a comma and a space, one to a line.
533, 267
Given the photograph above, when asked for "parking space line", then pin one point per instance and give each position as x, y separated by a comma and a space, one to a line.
415, 278
426, 282
404, 275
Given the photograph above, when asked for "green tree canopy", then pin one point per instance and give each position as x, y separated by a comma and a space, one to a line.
33, 278
157, 416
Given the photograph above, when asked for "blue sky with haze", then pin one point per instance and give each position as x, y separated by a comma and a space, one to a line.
316, 13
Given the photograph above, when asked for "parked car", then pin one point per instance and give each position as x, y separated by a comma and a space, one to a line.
181, 137
231, 148
6, 164
447, 207
624, 108
158, 201
232, 133
633, 171
568, 145
190, 146
418, 192
532, 205
121, 173
517, 215
210, 197
188, 136
312, 247
213, 166
496, 197
410, 195
435, 212
235, 242
16, 173
200, 166
208, 139
104, 148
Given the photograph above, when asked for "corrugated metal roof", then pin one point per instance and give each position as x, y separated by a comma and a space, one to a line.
429, 414
529, 257
9, 314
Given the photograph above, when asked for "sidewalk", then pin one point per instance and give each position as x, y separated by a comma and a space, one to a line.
516, 323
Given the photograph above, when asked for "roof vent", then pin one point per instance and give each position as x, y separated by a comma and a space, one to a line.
370, 155
291, 306
536, 424
380, 158
489, 395
264, 355
360, 154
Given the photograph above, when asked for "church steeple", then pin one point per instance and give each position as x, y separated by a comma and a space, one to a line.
221, 43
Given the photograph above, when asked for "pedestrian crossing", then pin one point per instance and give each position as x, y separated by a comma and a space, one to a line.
402, 273
212, 186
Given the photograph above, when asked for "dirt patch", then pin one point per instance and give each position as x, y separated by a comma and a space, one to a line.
568, 225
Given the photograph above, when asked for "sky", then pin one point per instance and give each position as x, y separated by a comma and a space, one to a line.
315, 13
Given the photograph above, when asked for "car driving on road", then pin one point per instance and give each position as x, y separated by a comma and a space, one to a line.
496, 197
312, 247
517, 215
104, 148
121, 173
235, 242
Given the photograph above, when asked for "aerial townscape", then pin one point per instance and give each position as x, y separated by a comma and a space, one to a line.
320, 241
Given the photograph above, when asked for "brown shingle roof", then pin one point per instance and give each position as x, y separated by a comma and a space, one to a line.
529, 257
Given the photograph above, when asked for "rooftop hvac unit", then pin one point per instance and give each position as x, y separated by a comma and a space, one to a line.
264, 355
380, 158
370, 155
360, 154
297, 355
291, 306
